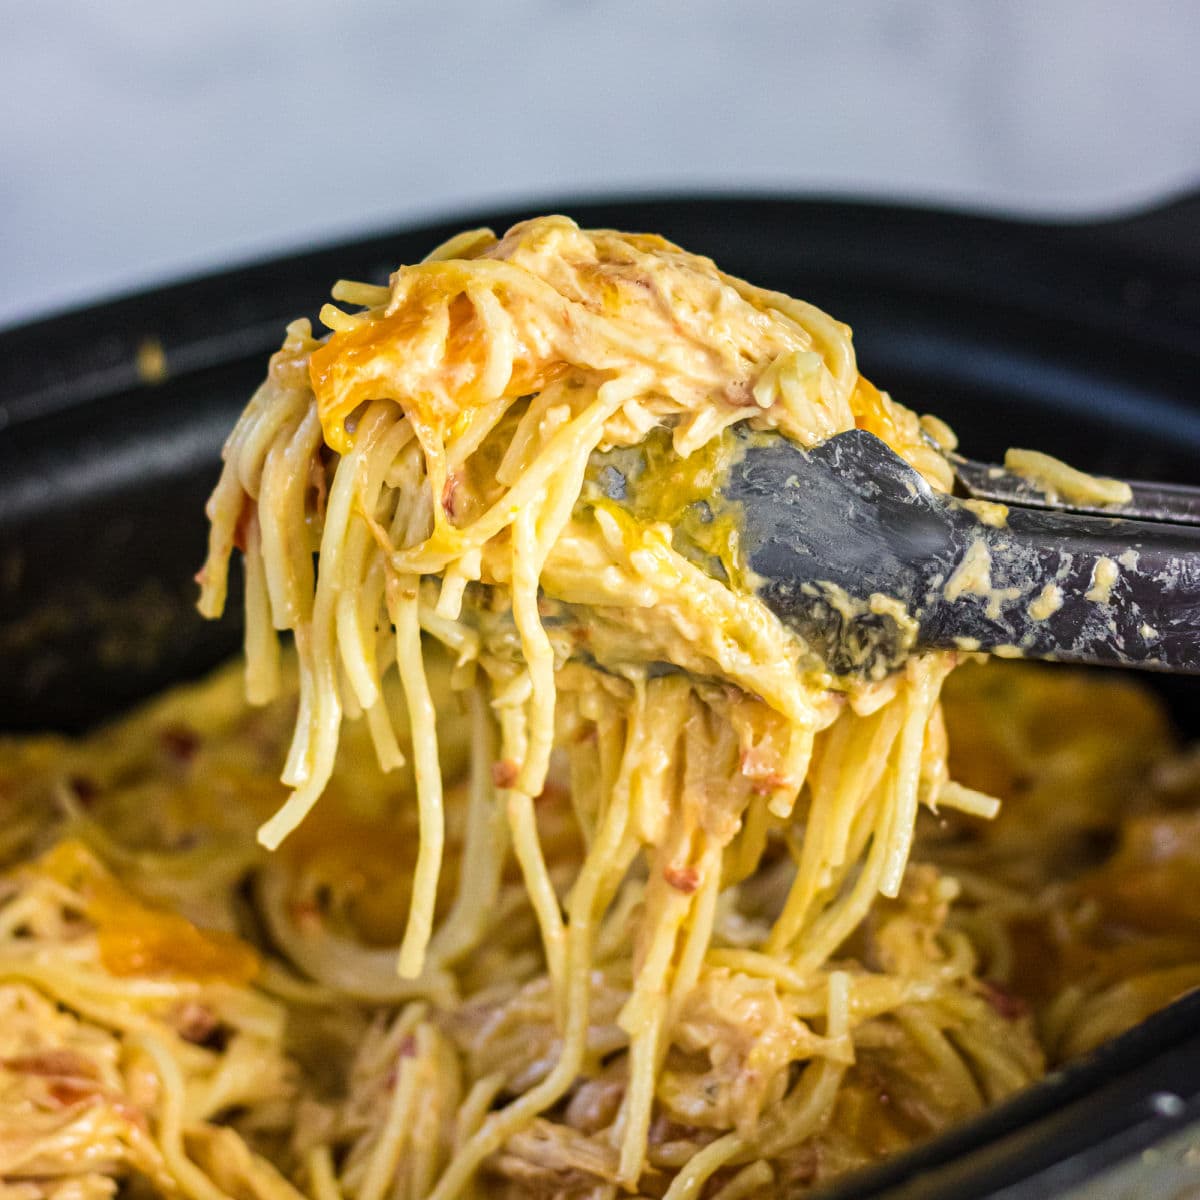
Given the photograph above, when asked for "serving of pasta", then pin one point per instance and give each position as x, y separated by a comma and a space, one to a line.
584, 878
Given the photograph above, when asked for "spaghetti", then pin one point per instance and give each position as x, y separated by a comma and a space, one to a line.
463, 405
586, 881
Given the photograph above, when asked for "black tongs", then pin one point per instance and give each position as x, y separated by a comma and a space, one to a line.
850, 546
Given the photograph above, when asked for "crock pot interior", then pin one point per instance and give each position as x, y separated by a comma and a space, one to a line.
1011, 333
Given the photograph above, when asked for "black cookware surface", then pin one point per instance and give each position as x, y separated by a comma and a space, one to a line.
1083, 340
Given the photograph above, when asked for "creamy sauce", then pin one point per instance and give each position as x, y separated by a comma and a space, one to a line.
1104, 575
1062, 482
1007, 651
972, 575
989, 512
891, 607
1048, 601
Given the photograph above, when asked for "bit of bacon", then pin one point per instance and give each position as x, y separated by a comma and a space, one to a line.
306, 914
739, 393
682, 879
180, 742
505, 772
71, 1079
772, 782
759, 767
450, 494
68, 1092
130, 1112
406, 1049
317, 482
1008, 1005
194, 1022
58, 1063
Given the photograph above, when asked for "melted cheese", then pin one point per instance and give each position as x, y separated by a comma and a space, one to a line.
136, 939
1104, 576
1047, 602
973, 575
1060, 481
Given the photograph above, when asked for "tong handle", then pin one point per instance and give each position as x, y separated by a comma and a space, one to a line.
1173, 503
1078, 589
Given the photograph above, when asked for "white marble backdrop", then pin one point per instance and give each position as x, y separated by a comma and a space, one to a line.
142, 139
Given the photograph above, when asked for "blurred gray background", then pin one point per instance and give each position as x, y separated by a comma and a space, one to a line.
144, 139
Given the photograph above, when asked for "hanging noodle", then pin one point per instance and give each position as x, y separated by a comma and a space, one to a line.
587, 879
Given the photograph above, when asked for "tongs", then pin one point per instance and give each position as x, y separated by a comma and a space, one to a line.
851, 547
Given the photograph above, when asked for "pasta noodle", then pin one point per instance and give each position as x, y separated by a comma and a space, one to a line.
586, 879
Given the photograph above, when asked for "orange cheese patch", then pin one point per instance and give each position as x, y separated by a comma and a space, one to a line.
430, 355
136, 939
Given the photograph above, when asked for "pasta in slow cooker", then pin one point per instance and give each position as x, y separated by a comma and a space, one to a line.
584, 878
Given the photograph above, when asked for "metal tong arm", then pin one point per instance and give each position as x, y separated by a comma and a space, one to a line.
1175, 503
839, 534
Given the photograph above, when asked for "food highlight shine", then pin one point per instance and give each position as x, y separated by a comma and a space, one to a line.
589, 880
